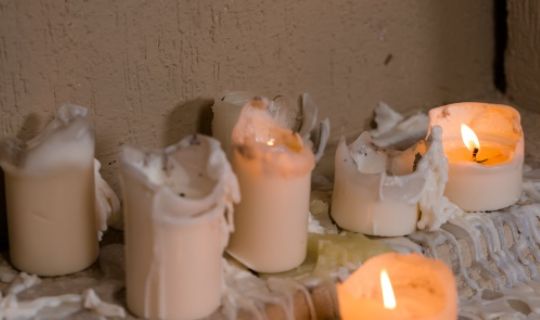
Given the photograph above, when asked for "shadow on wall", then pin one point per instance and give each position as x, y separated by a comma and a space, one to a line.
500, 16
465, 41
30, 127
174, 129
3, 214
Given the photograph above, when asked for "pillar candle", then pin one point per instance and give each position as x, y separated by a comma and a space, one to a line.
366, 199
177, 211
50, 195
383, 192
274, 170
402, 287
485, 150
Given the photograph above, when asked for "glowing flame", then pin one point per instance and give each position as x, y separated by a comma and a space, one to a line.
271, 142
389, 299
469, 138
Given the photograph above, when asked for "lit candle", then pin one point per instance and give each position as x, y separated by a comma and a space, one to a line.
50, 196
274, 169
395, 286
177, 211
485, 150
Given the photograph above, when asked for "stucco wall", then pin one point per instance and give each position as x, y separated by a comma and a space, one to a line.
523, 53
147, 68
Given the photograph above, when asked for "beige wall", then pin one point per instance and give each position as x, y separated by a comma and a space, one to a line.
147, 68
523, 53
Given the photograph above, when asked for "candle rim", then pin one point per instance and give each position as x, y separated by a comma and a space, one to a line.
439, 111
69, 119
225, 186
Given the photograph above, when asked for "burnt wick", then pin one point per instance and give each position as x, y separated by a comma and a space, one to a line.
475, 156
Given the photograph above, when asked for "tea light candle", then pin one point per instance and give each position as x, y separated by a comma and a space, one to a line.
177, 211
274, 169
395, 286
485, 149
50, 196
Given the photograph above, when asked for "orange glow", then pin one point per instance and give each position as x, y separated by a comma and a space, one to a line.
469, 138
271, 142
389, 299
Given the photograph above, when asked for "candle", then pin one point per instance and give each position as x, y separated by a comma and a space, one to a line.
274, 170
364, 200
485, 150
383, 192
395, 286
50, 197
177, 211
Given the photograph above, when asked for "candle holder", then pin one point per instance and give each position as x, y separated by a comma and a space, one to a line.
50, 196
484, 145
178, 206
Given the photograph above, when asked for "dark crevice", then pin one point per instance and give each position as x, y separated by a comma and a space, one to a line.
501, 37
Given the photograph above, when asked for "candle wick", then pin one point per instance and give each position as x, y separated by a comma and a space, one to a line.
475, 156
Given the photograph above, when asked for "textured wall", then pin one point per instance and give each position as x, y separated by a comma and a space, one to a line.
523, 53
147, 69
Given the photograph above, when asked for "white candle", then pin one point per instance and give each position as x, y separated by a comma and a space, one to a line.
177, 211
50, 196
401, 287
489, 178
383, 192
365, 199
274, 170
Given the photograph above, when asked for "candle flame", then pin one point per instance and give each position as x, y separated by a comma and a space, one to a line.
271, 142
469, 138
389, 299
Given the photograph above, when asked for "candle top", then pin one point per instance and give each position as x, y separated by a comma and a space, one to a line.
193, 174
258, 137
68, 140
495, 126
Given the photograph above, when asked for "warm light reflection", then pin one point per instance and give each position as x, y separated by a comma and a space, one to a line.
271, 142
389, 299
469, 138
